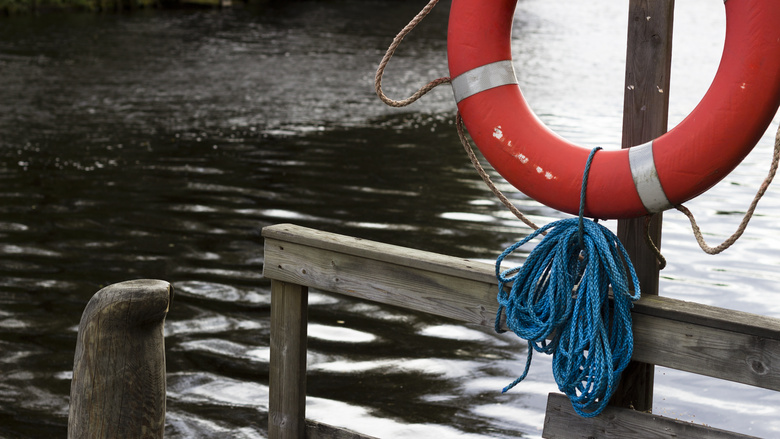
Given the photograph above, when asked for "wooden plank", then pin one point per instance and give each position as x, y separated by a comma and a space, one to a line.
318, 430
322, 245
645, 117
287, 377
709, 316
118, 386
562, 422
403, 256
702, 339
387, 274
708, 351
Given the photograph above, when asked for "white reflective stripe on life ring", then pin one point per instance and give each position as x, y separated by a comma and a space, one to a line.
648, 186
483, 78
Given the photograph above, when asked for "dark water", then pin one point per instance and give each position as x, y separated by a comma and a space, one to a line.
158, 144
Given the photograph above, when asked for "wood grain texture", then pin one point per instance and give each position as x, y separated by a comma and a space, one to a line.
709, 316
393, 254
711, 341
118, 386
287, 377
648, 70
645, 117
562, 422
387, 274
708, 351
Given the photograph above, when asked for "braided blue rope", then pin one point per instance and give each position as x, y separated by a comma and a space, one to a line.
559, 302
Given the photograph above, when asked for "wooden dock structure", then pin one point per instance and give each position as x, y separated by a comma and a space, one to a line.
691, 337
120, 357
700, 339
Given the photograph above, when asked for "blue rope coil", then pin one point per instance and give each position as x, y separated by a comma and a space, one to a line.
558, 301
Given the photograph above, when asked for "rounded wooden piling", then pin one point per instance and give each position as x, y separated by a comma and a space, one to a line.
118, 387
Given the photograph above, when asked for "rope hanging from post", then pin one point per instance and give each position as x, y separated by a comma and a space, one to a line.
558, 301
380, 71
748, 215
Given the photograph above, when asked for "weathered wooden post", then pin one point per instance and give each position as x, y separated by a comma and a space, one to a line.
118, 387
645, 117
287, 380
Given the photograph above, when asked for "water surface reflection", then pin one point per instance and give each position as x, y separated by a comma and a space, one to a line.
158, 144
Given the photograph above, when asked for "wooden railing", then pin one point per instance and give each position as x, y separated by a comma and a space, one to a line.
706, 340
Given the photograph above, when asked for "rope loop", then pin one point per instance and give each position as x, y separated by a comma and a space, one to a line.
651, 245
748, 214
559, 302
389, 54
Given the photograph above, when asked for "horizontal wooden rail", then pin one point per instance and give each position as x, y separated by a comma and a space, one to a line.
702, 339
562, 422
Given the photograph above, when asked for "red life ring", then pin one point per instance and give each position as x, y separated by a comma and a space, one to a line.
681, 164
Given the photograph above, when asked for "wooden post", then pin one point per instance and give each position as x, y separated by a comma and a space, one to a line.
287, 380
118, 386
645, 117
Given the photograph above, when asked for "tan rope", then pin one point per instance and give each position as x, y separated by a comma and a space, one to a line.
389, 54
459, 121
651, 245
748, 215
485, 177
